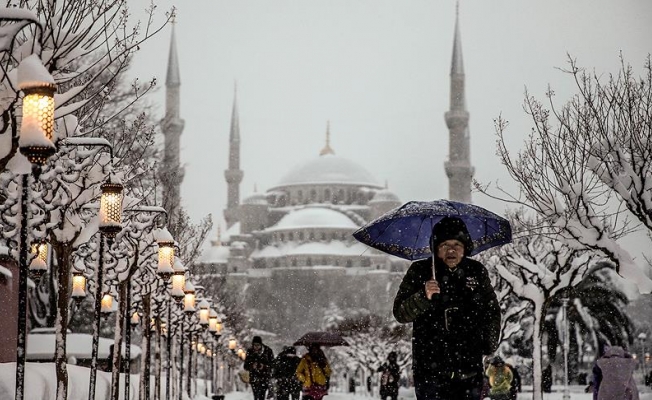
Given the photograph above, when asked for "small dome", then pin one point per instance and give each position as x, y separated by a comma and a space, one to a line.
314, 217
215, 255
256, 199
328, 169
385, 196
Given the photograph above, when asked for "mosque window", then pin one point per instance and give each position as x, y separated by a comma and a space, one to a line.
327, 195
323, 236
349, 264
313, 195
277, 263
340, 196
343, 236
294, 263
282, 237
324, 260
311, 236
300, 195
301, 236
309, 262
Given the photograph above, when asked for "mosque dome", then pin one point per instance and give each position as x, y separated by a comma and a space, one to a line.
385, 196
256, 199
314, 217
215, 255
328, 169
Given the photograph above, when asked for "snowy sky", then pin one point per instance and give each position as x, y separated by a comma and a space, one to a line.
378, 70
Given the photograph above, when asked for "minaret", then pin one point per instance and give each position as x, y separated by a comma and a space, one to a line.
172, 125
233, 174
458, 167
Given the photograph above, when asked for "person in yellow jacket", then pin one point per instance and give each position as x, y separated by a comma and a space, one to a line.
314, 373
500, 379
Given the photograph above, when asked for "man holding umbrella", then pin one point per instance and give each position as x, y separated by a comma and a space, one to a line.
455, 314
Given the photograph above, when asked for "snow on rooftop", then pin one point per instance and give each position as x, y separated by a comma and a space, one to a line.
234, 230
314, 217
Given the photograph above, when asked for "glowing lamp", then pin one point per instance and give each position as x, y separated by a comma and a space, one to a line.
111, 209
204, 313
212, 321
39, 264
189, 298
178, 281
233, 343
209, 353
37, 126
78, 286
107, 304
135, 319
241, 353
165, 259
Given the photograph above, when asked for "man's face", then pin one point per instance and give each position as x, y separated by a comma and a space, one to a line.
257, 346
451, 252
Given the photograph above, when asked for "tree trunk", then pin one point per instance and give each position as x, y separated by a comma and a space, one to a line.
64, 262
157, 356
536, 352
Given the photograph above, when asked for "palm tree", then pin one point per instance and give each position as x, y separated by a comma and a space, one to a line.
596, 316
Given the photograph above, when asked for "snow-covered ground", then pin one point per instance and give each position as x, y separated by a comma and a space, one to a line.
41, 385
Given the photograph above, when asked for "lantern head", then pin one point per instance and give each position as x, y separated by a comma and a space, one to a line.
135, 319
111, 209
37, 126
78, 286
38, 266
107, 304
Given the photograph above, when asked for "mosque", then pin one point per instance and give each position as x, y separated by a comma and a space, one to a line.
289, 249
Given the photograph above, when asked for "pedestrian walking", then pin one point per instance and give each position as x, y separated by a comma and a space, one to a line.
258, 362
285, 368
616, 380
456, 318
314, 373
389, 377
500, 379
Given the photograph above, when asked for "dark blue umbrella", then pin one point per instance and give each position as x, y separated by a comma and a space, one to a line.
405, 231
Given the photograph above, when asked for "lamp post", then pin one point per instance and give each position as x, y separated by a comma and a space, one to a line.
642, 337
35, 143
189, 310
566, 395
110, 224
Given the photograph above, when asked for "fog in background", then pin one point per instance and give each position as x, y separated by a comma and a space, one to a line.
379, 72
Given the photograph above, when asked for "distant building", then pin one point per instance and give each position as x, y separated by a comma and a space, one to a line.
289, 249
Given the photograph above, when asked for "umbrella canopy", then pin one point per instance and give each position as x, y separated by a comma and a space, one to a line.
322, 339
405, 231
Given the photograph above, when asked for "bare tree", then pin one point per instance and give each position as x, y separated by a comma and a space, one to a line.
586, 168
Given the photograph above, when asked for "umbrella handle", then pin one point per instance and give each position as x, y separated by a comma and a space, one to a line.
434, 276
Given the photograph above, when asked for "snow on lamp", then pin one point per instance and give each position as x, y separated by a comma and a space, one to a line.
165, 253
37, 126
204, 312
39, 264
189, 298
78, 286
111, 209
178, 281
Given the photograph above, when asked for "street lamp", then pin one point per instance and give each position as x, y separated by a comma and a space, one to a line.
165, 253
39, 264
107, 304
189, 299
35, 143
233, 344
78, 286
204, 313
642, 337
111, 209
178, 281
